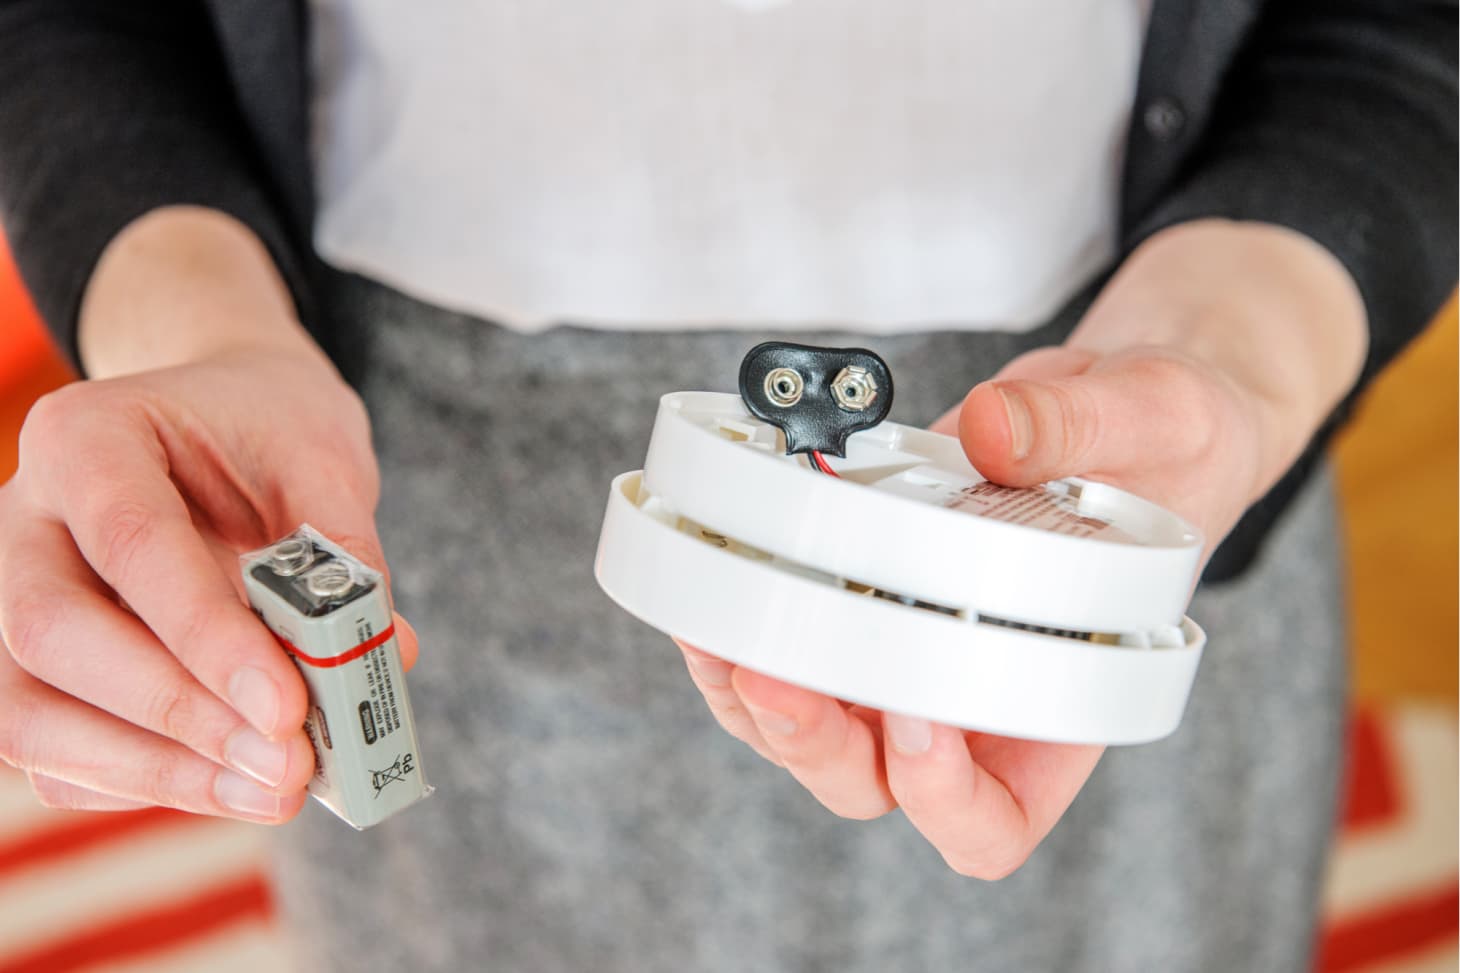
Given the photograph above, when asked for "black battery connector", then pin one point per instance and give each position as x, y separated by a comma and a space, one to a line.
816, 396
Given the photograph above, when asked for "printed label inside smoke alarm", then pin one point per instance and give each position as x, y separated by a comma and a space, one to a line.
1034, 508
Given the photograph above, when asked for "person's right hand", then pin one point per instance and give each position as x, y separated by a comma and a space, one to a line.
135, 673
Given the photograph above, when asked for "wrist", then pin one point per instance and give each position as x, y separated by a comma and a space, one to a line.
183, 284
1273, 314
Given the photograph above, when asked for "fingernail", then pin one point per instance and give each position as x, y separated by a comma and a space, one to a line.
255, 697
262, 759
712, 672
1021, 425
769, 721
244, 796
908, 734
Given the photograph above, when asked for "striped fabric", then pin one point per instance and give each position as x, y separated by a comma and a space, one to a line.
161, 891
145, 890
1390, 902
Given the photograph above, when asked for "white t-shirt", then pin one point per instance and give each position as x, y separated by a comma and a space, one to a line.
874, 164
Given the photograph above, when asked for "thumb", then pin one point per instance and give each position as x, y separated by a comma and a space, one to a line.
1120, 416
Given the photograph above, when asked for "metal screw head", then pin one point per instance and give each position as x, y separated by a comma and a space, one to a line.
784, 386
854, 388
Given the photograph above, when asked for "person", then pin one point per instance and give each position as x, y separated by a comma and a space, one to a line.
1184, 233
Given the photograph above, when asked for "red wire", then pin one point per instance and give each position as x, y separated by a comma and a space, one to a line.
822, 465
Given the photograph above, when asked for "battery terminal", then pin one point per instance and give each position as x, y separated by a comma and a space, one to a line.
291, 556
330, 580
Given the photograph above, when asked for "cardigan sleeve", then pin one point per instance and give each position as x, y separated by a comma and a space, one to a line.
109, 110
1338, 120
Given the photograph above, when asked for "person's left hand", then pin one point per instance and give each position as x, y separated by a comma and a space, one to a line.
1172, 388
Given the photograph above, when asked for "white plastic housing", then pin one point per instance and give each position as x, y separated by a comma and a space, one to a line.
881, 588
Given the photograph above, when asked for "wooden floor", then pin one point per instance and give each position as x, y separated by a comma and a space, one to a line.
159, 891
1398, 482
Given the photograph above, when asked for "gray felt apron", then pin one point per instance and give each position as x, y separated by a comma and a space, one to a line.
590, 814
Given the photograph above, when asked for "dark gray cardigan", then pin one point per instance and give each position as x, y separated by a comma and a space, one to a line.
1334, 117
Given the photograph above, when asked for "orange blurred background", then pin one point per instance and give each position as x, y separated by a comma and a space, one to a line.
158, 891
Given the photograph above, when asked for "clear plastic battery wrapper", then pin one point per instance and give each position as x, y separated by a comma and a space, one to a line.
330, 612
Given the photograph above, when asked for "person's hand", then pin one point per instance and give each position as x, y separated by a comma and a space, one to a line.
1194, 382
135, 674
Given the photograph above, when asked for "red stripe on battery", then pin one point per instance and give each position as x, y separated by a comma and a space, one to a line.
341, 659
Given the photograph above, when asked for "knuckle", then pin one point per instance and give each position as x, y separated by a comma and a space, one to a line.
173, 712
127, 528
29, 617
1206, 414
1076, 421
814, 749
53, 418
916, 801
1160, 370
352, 406
195, 625
735, 720
1173, 379
1188, 397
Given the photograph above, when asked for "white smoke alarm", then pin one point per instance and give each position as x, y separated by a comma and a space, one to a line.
906, 581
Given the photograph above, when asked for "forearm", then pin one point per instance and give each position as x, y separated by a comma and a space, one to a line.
111, 112
183, 283
1268, 309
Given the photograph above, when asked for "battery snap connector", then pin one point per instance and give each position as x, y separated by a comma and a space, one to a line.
816, 396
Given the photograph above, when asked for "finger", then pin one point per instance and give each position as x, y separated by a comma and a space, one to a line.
833, 754
339, 506
68, 797
133, 528
1054, 361
409, 642
1125, 414
984, 817
45, 732
59, 624
711, 676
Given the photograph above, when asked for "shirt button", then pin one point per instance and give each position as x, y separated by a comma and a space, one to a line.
1164, 119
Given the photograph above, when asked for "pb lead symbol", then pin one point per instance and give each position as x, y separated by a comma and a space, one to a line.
380, 779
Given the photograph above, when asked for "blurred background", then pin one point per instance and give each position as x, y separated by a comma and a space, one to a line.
162, 891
